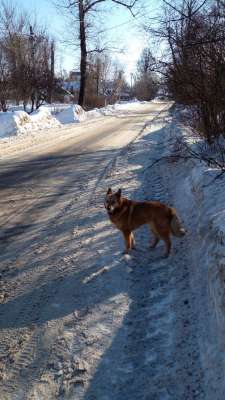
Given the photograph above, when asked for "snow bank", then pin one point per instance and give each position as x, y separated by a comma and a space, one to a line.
122, 106
95, 113
12, 123
19, 122
71, 114
16, 122
210, 226
201, 199
8, 124
115, 109
40, 119
77, 114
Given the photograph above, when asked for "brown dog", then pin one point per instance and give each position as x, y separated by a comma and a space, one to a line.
129, 215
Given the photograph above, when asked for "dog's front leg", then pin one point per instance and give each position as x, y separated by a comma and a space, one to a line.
132, 241
128, 240
168, 246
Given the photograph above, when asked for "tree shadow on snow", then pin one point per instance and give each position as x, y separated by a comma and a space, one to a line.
60, 294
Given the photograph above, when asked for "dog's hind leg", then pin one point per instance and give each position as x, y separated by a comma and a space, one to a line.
166, 238
154, 242
162, 231
156, 236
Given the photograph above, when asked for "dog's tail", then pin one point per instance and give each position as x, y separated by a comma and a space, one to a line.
176, 225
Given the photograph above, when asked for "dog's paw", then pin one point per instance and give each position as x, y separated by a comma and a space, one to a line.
165, 255
127, 257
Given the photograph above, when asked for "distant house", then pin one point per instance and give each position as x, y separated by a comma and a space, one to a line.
125, 96
111, 91
74, 76
72, 84
116, 92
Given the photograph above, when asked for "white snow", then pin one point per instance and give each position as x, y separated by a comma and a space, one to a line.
17, 122
72, 114
117, 108
9, 123
199, 202
13, 123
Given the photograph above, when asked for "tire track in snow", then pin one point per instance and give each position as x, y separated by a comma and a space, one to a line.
23, 360
155, 354
110, 166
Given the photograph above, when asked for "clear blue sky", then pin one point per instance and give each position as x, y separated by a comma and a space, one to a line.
126, 36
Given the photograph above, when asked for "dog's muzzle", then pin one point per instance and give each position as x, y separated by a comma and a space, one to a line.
109, 209
106, 206
110, 212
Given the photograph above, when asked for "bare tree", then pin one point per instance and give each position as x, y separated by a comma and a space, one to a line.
26, 59
83, 11
105, 80
195, 68
146, 82
4, 80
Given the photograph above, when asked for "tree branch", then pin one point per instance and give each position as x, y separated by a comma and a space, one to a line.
128, 6
192, 154
91, 5
175, 9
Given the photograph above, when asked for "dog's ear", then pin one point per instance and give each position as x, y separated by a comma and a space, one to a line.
109, 191
118, 193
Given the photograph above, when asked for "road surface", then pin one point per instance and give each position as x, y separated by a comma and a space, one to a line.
72, 324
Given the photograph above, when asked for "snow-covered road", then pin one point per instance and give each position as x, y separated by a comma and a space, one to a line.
102, 133
78, 319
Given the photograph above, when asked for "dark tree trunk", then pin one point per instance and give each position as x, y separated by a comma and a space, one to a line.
32, 102
83, 53
52, 73
3, 105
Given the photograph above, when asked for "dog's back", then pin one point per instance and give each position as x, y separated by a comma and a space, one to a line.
145, 212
